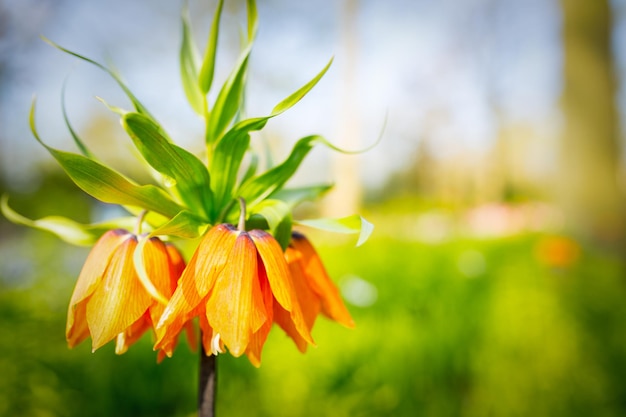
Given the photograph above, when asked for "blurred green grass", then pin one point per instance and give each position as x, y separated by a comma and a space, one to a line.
462, 328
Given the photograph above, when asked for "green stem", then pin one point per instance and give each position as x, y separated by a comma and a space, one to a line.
242, 215
140, 220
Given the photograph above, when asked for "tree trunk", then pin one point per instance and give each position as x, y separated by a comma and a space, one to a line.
588, 186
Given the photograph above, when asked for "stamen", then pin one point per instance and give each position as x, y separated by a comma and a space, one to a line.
215, 344
120, 343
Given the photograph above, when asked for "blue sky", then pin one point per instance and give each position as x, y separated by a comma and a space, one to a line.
450, 70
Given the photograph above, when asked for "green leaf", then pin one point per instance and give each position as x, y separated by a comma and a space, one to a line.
66, 229
351, 225
257, 188
184, 225
77, 140
290, 101
295, 196
277, 214
229, 99
225, 165
188, 174
189, 64
282, 232
117, 110
258, 123
252, 20
273, 211
252, 167
136, 103
105, 184
208, 63
109, 186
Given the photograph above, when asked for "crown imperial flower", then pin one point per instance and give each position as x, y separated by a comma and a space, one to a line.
110, 302
233, 282
315, 290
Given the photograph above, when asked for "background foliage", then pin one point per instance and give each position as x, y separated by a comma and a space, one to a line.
464, 327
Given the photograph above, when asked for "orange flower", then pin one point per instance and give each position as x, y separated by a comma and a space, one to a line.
234, 282
558, 251
315, 290
109, 300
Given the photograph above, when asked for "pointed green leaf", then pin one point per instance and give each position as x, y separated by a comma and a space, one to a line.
189, 64
252, 167
273, 211
117, 110
282, 232
277, 214
136, 103
208, 63
301, 92
258, 123
66, 229
229, 99
105, 184
225, 165
184, 225
109, 186
252, 20
77, 140
295, 196
189, 175
257, 188
352, 225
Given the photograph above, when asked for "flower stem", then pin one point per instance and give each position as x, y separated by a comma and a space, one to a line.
242, 214
140, 220
207, 384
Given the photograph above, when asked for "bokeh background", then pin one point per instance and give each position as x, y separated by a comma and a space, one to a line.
494, 283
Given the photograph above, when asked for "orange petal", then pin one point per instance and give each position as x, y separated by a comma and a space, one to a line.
91, 274
178, 310
157, 263
320, 282
280, 279
213, 252
177, 264
132, 334
258, 338
192, 335
79, 330
235, 307
119, 300
158, 267
275, 266
195, 283
308, 300
206, 332
283, 318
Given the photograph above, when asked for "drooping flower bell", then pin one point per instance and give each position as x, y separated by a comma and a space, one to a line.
315, 290
110, 302
235, 282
